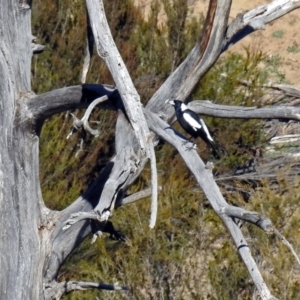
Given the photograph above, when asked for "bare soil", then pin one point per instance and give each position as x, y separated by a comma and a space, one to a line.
280, 38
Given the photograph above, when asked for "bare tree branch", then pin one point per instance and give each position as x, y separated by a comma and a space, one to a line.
288, 244
82, 216
239, 112
42, 107
204, 178
48, 104
154, 187
184, 79
76, 97
248, 216
63, 242
56, 290
136, 197
89, 50
118, 175
192, 68
84, 202
125, 162
257, 18
35, 244
286, 89
108, 51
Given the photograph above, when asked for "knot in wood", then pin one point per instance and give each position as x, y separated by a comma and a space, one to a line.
104, 54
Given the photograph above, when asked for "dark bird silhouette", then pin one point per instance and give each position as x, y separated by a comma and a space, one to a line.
193, 124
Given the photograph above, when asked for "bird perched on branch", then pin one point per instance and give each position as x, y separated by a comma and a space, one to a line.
193, 124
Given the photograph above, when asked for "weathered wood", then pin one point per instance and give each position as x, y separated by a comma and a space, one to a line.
183, 80
120, 172
88, 51
45, 105
33, 244
135, 197
256, 19
56, 290
48, 104
205, 179
21, 207
164, 115
84, 121
248, 216
239, 112
108, 51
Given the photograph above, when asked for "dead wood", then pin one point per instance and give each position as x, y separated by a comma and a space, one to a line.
32, 235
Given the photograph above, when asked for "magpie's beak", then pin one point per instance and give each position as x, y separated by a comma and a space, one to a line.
170, 101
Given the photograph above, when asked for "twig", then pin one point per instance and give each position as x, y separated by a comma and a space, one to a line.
256, 19
83, 122
80, 147
154, 188
289, 138
286, 242
286, 89
136, 197
87, 113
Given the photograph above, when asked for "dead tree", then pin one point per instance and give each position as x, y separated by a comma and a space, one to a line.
33, 243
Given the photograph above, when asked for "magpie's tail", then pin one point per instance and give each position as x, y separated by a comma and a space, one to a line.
217, 150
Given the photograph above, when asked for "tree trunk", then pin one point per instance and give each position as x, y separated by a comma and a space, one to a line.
21, 202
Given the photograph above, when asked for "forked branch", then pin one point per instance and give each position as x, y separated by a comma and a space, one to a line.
108, 51
260, 221
84, 122
183, 80
205, 179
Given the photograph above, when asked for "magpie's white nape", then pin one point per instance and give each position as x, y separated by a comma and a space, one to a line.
170, 101
193, 124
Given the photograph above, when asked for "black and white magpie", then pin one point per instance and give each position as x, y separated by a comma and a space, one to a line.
193, 124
